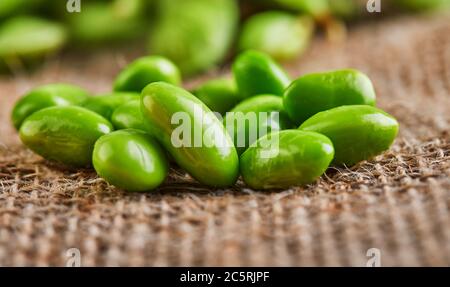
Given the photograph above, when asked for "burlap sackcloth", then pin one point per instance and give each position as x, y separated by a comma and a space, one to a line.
397, 203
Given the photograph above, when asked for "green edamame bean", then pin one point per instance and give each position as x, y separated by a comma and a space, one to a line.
318, 92
294, 158
281, 35
195, 34
47, 96
256, 74
105, 105
131, 160
191, 133
64, 134
27, 38
147, 70
128, 116
103, 22
246, 123
357, 132
220, 95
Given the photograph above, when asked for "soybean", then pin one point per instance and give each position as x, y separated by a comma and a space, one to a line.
64, 134
101, 23
191, 133
47, 96
30, 38
357, 132
220, 95
281, 35
131, 160
105, 105
256, 73
195, 34
146, 70
318, 92
128, 116
254, 117
287, 158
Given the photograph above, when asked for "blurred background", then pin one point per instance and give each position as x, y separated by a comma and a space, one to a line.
198, 35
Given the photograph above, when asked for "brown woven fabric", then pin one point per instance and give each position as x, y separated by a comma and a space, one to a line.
398, 202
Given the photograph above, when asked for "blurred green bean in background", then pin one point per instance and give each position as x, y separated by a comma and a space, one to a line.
196, 35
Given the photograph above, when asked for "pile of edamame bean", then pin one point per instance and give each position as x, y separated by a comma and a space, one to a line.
313, 122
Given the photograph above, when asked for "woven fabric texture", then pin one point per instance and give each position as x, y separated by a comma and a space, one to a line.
398, 202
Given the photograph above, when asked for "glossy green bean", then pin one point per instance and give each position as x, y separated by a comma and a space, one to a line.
47, 96
256, 74
254, 117
313, 93
105, 105
294, 158
220, 95
130, 159
191, 133
129, 116
64, 134
146, 70
357, 132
